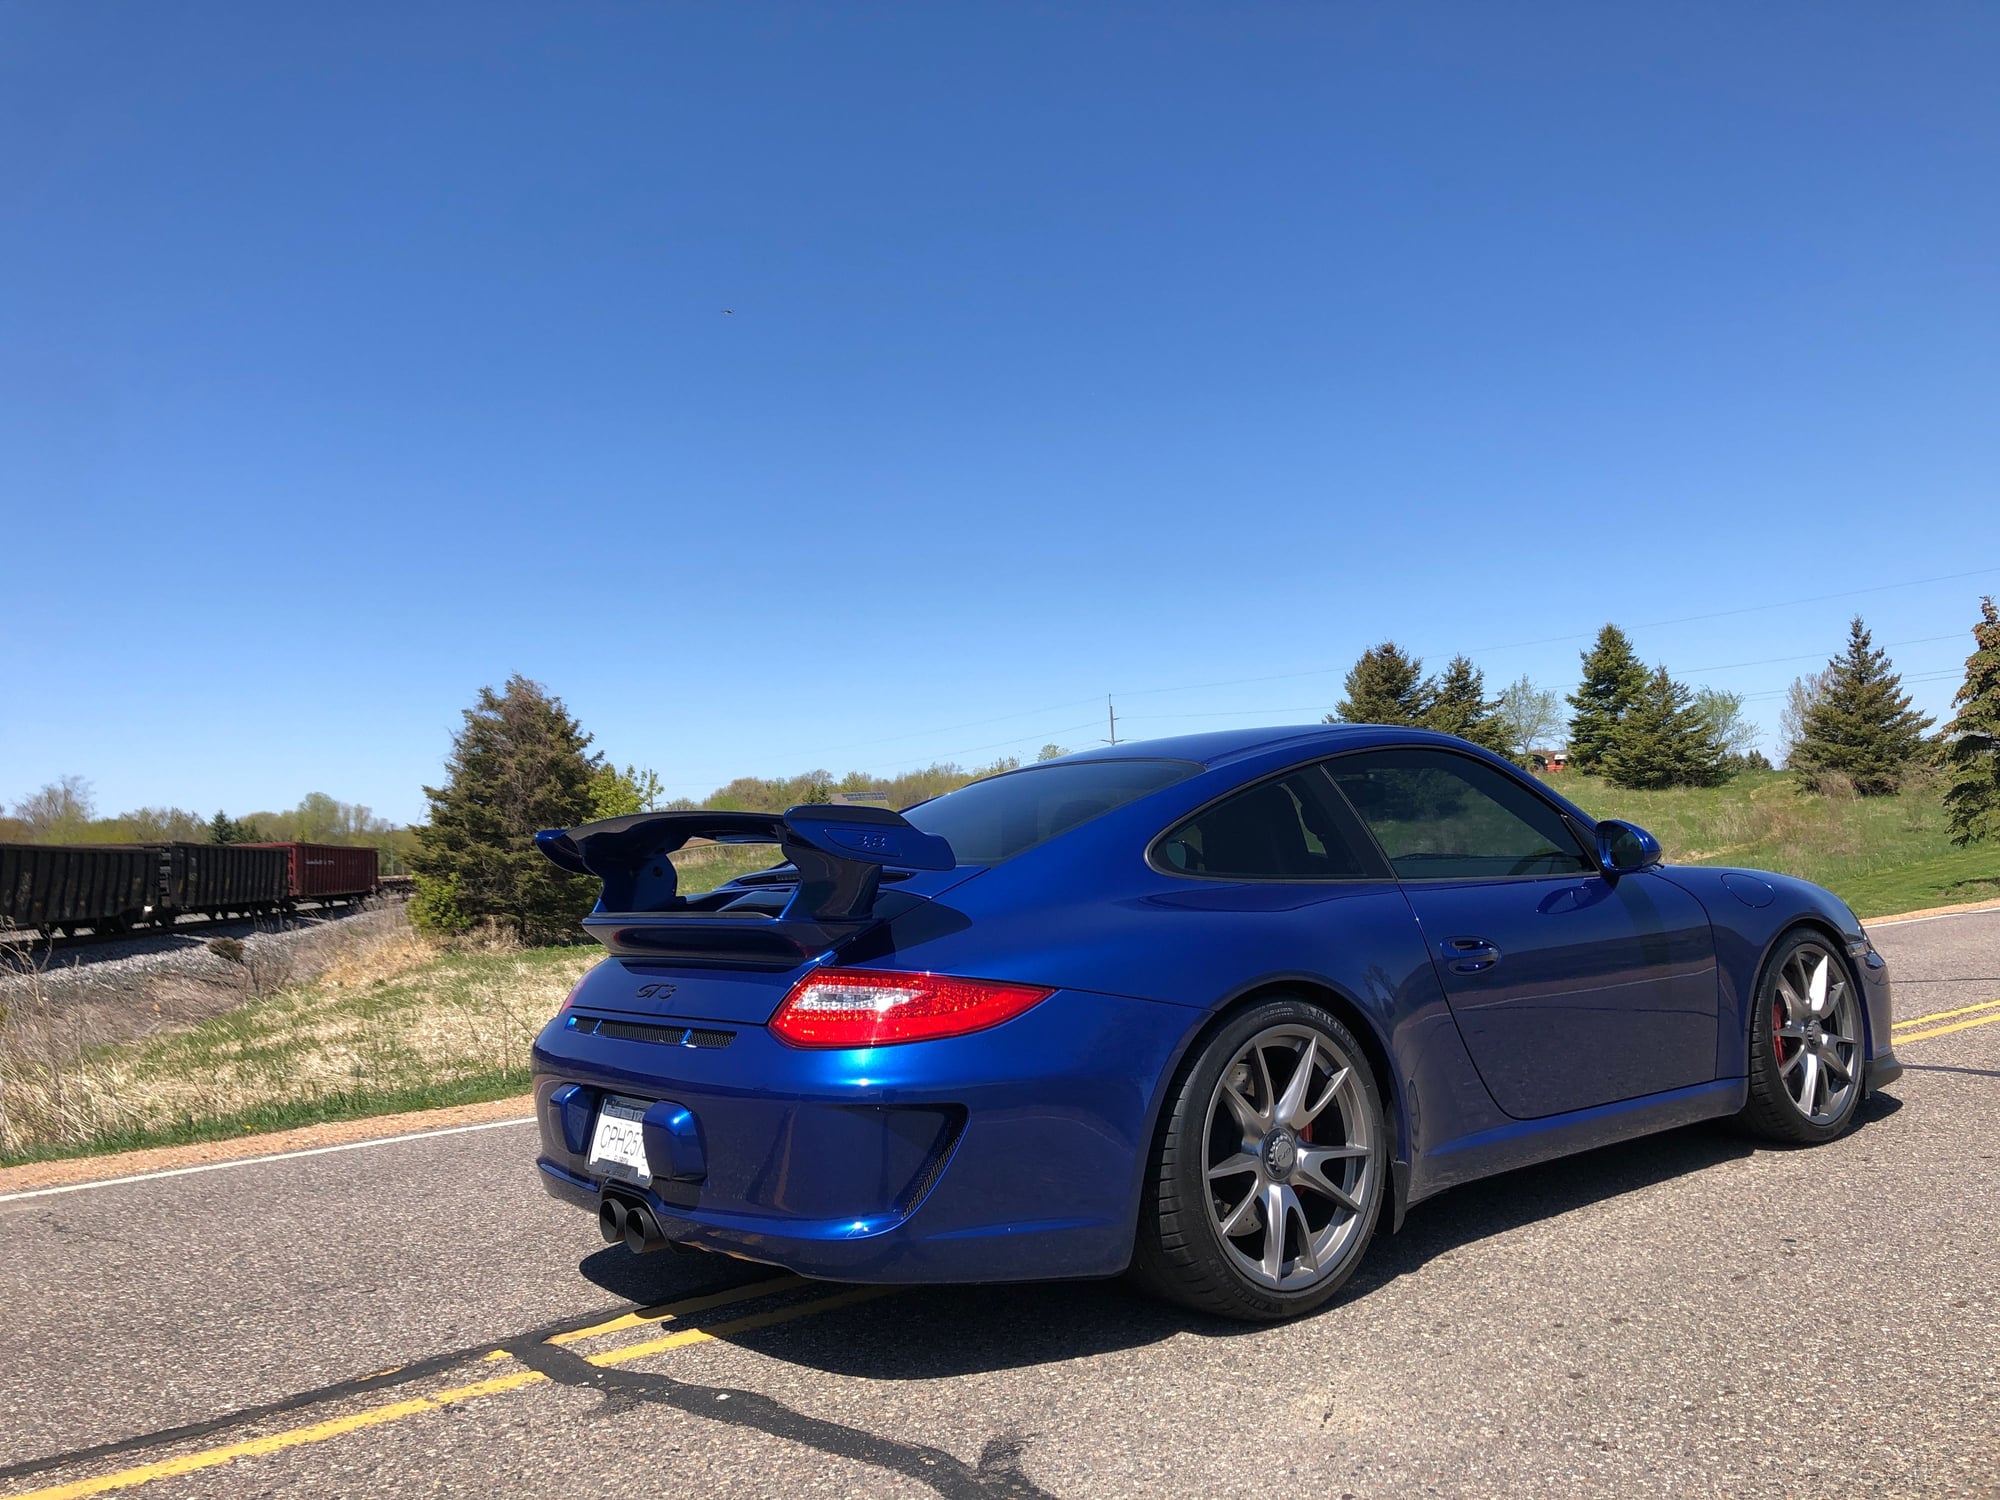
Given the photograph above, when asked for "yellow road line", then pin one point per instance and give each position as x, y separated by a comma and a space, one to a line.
629, 1352
1963, 1010
277, 1442
376, 1416
1918, 1036
672, 1310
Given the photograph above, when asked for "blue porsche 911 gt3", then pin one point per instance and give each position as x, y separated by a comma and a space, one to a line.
1205, 1008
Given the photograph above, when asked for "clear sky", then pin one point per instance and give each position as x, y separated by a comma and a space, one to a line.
861, 385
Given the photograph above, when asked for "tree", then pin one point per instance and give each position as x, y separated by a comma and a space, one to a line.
1972, 738
1528, 717
1386, 686
59, 812
520, 764
1664, 739
1052, 752
1459, 706
152, 825
320, 819
1861, 726
223, 829
1736, 735
1799, 700
615, 793
1613, 679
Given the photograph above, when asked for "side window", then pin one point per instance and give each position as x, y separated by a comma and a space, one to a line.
1440, 816
1288, 829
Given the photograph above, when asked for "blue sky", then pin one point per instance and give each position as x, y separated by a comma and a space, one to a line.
354, 356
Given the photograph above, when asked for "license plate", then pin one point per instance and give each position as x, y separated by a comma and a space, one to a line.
618, 1145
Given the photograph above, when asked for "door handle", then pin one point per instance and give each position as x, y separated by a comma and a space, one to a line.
1470, 955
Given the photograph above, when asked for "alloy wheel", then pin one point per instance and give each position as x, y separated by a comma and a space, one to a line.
1292, 1153
1816, 1032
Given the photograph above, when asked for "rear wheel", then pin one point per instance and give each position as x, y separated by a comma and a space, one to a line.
1807, 1045
1268, 1170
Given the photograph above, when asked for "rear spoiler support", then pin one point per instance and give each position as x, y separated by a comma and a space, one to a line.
838, 851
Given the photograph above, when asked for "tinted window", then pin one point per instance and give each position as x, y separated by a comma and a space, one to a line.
994, 820
1443, 816
1288, 829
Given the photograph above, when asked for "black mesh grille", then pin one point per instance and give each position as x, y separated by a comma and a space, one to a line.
940, 1154
639, 1031
645, 1031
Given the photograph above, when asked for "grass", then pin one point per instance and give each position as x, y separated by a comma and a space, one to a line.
389, 1021
366, 1017
702, 867
1879, 854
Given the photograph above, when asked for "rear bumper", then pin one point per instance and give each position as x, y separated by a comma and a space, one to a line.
1012, 1154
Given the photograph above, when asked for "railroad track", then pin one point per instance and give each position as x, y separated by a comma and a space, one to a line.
27, 940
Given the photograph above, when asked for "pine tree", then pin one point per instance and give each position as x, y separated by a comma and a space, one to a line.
520, 764
1459, 706
1386, 686
1613, 679
1972, 739
1860, 725
1664, 739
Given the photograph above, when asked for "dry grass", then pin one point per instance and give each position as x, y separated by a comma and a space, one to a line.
366, 1015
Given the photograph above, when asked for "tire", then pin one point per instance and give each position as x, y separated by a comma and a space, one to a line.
1327, 1204
1808, 1044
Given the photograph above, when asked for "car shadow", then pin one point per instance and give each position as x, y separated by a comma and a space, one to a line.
928, 1333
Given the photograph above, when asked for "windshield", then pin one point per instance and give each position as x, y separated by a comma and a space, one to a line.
989, 821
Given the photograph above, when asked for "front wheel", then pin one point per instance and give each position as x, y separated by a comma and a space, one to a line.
1807, 1047
1268, 1169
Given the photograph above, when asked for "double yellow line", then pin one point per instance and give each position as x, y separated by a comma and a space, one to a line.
1986, 1013
514, 1380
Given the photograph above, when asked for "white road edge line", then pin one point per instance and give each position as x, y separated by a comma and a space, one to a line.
1943, 916
251, 1161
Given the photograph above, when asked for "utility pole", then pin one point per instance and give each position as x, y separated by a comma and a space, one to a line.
1111, 718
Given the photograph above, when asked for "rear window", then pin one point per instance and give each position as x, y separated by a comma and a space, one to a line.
994, 820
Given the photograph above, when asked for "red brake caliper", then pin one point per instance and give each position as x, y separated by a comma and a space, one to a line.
1778, 1020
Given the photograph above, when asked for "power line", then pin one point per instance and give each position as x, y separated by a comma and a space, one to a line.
1584, 635
1770, 661
1194, 687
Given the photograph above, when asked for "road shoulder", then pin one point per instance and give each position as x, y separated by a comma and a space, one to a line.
75, 1169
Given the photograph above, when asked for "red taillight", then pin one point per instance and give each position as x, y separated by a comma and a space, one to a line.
867, 1008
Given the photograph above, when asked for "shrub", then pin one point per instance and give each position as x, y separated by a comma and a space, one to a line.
438, 906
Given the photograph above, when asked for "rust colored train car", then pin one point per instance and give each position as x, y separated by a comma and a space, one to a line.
328, 872
51, 888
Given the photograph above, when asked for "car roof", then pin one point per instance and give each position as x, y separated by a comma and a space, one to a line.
1219, 747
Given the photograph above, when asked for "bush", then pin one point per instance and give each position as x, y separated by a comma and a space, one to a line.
438, 906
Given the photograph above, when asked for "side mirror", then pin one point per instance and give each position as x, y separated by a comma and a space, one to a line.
1625, 848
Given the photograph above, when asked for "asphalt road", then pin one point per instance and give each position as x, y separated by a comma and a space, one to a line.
1682, 1316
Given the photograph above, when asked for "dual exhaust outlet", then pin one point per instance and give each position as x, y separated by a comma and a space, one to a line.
629, 1222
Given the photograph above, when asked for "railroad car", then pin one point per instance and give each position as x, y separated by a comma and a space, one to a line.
50, 888
328, 873
219, 880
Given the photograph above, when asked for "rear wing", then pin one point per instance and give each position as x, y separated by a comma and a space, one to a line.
839, 853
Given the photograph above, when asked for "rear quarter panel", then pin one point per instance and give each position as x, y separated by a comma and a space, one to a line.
1086, 912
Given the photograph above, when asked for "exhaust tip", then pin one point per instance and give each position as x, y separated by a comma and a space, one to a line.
642, 1230
611, 1220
